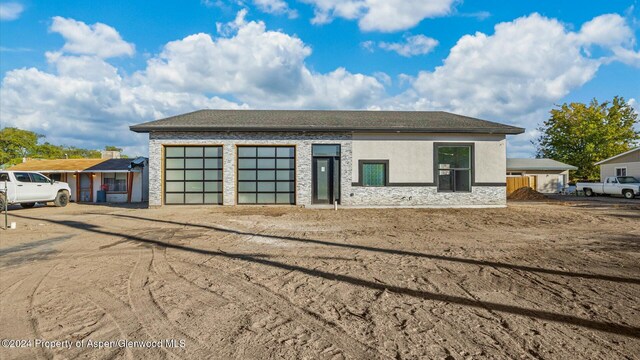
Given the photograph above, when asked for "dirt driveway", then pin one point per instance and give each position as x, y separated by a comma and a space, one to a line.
539, 281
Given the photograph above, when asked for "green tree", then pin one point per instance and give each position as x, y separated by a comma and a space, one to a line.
112, 148
581, 135
16, 144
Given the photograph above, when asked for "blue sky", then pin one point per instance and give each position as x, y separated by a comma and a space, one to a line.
81, 72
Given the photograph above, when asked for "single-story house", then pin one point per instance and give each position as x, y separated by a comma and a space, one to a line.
545, 175
352, 158
625, 164
124, 180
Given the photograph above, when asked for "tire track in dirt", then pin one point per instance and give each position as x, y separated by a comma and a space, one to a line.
255, 296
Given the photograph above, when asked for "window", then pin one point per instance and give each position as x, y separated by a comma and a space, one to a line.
37, 178
193, 175
621, 171
4, 177
322, 150
115, 182
453, 167
374, 174
266, 175
22, 177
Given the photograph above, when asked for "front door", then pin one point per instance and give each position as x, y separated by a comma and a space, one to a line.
85, 188
326, 174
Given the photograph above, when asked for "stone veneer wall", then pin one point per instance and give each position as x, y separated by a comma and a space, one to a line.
302, 141
351, 195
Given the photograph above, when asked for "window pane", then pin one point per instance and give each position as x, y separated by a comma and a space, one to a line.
212, 186
326, 150
174, 151
246, 175
284, 186
266, 152
193, 186
247, 186
213, 163
245, 151
373, 174
193, 175
174, 186
175, 163
445, 180
213, 198
462, 180
193, 199
22, 177
213, 175
267, 186
246, 163
175, 175
39, 178
194, 163
285, 152
285, 164
174, 199
284, 198
266, 163
246, 198
266, 198
213, 151
284, 175
192, 151
266, 175
454, 157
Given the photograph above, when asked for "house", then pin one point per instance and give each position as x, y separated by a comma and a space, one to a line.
625, 164
543, 175
124, 180
352, 158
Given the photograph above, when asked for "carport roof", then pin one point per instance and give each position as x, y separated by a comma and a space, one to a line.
56, 165
325, 120
538, 164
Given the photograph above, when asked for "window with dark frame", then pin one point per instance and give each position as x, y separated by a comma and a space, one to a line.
453, 167
193, 175
621, 171
374, 174
115, 182
266, 174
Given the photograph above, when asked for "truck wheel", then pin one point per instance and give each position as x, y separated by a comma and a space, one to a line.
2, 200
628, 194
62, 199
588, 192
27, 205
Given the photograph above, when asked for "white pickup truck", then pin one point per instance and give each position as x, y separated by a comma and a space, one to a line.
628, 186
28, 188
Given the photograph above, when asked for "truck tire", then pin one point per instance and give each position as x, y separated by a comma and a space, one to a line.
628, 194
62, 199
2, 200
27, 205
588, 192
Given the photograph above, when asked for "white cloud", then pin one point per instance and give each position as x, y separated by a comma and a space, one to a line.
97, 39
380, 15
277, 7
412, 46
10, 11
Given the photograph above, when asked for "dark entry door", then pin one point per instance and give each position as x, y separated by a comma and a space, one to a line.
326, 180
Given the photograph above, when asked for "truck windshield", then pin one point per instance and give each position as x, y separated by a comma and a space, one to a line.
627, 180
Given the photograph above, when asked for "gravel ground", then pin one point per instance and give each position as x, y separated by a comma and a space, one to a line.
545, 280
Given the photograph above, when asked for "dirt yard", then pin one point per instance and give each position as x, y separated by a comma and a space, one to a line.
533, 281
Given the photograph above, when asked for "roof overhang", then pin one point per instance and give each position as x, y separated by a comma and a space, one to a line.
149, 129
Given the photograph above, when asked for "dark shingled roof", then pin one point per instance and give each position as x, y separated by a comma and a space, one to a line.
111, 164
330, 120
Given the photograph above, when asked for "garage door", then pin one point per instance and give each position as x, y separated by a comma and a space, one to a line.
193, 175
266, 175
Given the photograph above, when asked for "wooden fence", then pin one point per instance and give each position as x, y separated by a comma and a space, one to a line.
516, 182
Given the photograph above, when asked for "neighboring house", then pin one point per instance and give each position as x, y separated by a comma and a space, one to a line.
354, 158
625, 164
125, 180
545, 175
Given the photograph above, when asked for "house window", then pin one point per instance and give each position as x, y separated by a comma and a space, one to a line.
115, 182
453, 167
621, 171
374, 174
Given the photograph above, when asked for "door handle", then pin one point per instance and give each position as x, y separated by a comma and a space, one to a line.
19, 185
39, 185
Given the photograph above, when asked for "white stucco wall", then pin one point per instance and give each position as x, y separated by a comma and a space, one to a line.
411, 155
